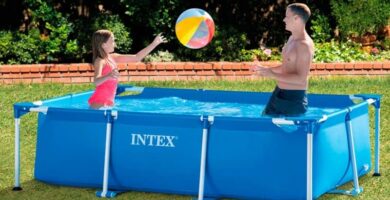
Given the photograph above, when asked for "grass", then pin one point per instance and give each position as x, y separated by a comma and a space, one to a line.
374, 187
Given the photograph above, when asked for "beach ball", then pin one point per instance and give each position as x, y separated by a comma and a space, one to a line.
194, 28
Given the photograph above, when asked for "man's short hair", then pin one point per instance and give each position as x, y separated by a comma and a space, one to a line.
301, 10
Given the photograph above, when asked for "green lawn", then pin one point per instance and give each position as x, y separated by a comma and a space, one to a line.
374, 187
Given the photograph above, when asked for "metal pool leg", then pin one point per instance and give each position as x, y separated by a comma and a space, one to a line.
105, 193
17, 155
357, 189
375, 100
309, 162
206, 124
377, 142
351, 147
21, 109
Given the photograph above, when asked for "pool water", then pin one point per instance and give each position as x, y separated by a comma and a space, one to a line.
176, 105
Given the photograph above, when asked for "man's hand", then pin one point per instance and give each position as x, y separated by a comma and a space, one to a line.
257, 66
266, 72
262, 70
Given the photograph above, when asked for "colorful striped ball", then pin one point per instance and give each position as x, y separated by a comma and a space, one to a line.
194, 28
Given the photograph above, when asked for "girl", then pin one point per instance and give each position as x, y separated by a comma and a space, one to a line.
106, 71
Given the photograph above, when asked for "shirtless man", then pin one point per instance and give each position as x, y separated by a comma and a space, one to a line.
289, 96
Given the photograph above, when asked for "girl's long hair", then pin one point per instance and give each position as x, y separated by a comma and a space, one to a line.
98, 38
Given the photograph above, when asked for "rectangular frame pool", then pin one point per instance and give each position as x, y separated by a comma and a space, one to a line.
211, 156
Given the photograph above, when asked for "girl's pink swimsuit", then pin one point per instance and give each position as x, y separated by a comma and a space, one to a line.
105, 92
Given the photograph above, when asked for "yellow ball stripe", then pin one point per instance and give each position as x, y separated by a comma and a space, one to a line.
186, 28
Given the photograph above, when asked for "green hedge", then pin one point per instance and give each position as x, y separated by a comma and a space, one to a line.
57, 31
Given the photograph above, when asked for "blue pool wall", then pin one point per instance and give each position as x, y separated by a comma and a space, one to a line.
247, 158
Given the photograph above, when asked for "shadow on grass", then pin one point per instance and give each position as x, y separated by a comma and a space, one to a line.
37, 190
34, 189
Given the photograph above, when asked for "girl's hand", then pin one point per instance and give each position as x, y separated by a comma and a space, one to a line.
114, 74
159, 39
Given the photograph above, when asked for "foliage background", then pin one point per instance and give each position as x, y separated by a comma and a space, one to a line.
58, 31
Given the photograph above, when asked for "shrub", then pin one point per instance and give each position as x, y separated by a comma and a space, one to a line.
160, 56
320, 27
383, 55
160, 20
53, 36
5, 44
360, 16
339, 52
115, 25
225, 46
58, 43
261, 54
18, 48
26, 48
386, 44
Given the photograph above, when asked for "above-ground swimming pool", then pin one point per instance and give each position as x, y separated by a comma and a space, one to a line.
201, 142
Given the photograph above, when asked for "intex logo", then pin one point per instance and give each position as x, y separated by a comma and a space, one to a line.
153, 140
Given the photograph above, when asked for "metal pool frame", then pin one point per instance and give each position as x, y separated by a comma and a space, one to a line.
310, 123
